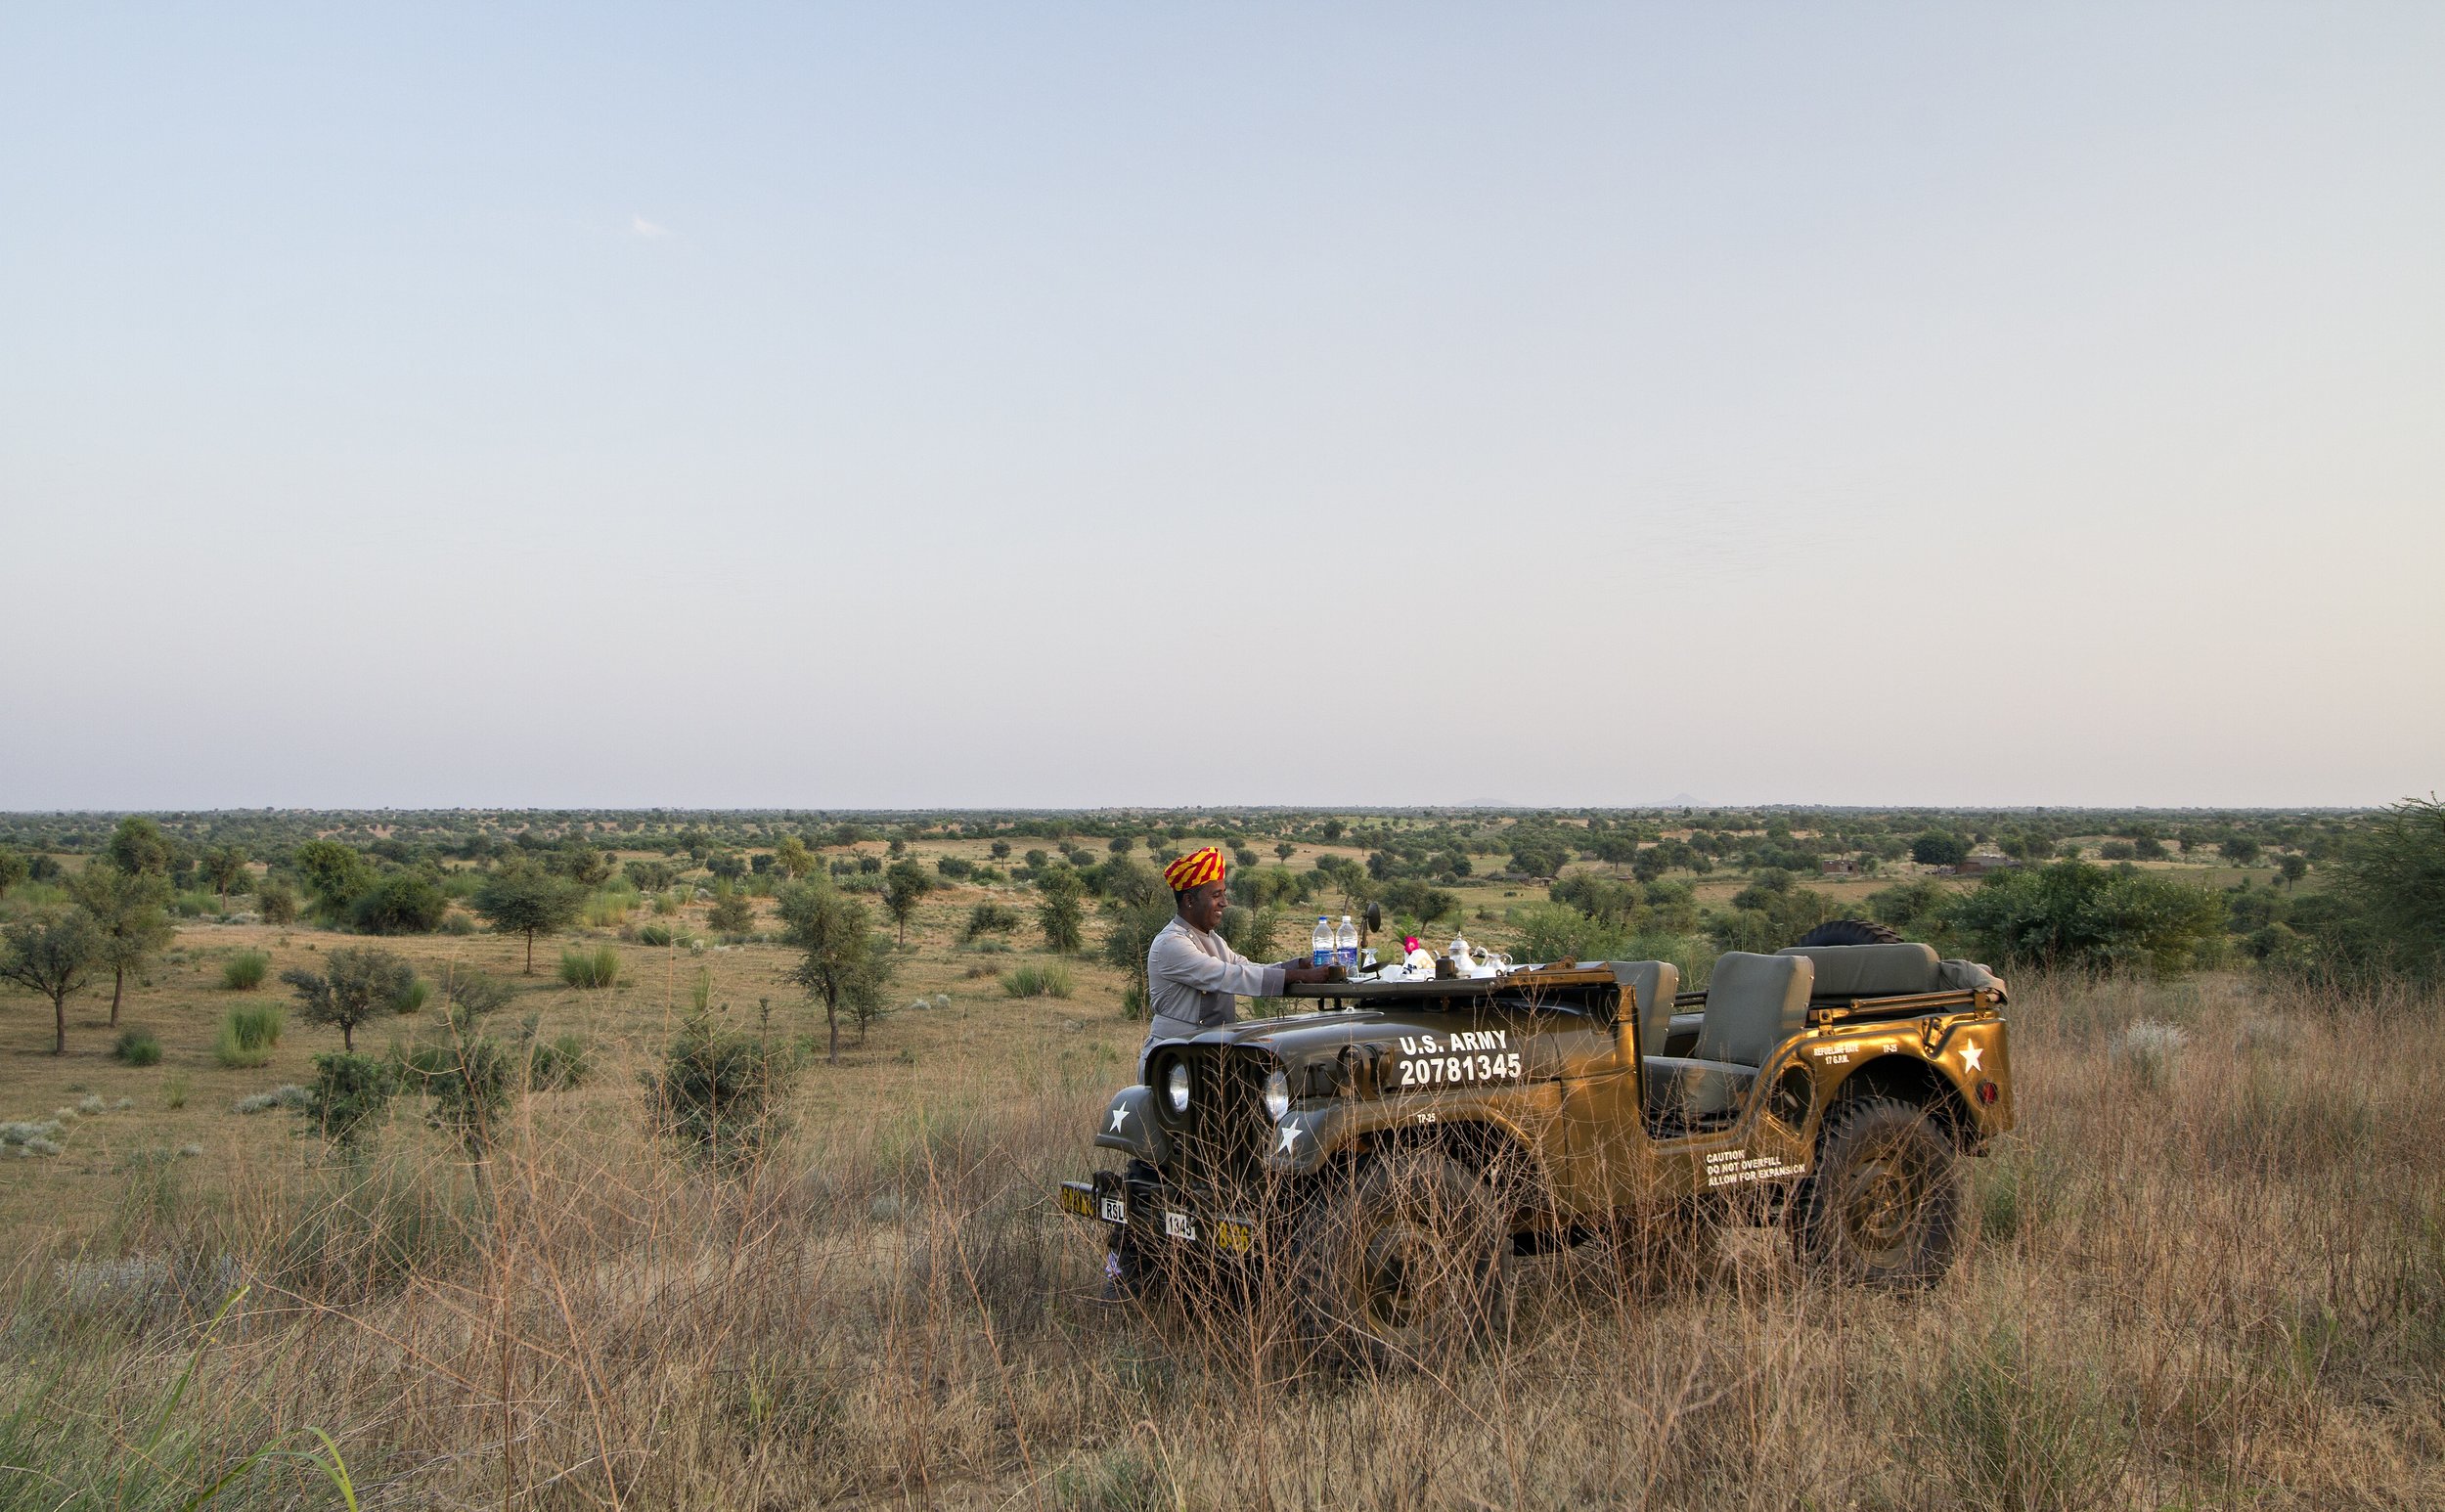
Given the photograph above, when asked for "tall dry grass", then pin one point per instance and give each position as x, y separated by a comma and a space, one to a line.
2219, 1280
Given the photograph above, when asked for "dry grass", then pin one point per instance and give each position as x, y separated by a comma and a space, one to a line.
2210, 1274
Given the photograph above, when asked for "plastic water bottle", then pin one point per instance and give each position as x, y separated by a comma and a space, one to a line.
1346, 947
1323, 954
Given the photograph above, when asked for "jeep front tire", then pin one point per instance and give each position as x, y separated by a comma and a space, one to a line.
1407, 1259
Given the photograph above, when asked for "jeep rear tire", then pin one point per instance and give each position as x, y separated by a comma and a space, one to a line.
1407, 1260
1883, 1205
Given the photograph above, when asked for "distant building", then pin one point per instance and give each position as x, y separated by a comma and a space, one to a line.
1982, 863
1839, 866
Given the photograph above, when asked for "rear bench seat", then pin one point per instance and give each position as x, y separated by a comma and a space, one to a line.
1753, 1004
1847, 971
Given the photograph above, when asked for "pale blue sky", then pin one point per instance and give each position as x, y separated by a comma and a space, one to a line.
1016, 405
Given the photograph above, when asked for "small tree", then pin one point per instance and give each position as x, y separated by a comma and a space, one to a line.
1126, 942
1939, 848
335, 874
1061, 909
2295, 867
139, 848
529, 901
732, 913
841, 965
794, 858
54, 954
13, 869
904, 885
130, 912
225, 867
353, 987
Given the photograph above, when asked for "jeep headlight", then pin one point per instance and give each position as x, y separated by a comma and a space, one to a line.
1175, 1087
1277, 1094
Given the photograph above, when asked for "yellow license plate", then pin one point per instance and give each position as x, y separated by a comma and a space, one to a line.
1231, 1234
1080, 1200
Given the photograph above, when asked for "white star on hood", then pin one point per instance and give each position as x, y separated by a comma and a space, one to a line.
1120, 1116
1290, 1139
1970, 1054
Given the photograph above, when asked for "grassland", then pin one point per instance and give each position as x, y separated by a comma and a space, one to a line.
2210, 1272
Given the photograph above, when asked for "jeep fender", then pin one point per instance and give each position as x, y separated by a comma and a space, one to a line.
1470, 1126
1128, 1124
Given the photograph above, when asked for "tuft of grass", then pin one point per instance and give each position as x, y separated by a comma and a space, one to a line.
245, 971
1034, 980
2148, 1052
138, 1048
590, 970
248, 1034
174, 1090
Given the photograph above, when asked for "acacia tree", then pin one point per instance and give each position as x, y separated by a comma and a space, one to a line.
794, 858
904, 885
1061, 909
139, 847
224, 867
530, 902
13, 869
54, 954
353, 986
129, 919
841, 965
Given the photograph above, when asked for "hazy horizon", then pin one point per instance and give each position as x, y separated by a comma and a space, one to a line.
1873, 407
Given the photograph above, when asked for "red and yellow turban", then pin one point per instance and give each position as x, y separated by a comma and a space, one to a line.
1194, 869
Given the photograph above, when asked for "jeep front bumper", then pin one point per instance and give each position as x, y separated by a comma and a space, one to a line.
1154, 1219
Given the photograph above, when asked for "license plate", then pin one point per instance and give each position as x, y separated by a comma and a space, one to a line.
1113, 1210
1179, 1225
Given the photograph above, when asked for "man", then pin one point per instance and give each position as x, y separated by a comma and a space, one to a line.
1193, 980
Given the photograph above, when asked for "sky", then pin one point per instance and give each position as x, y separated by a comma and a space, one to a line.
1084, 405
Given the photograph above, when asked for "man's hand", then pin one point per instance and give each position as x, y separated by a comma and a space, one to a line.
1303, 971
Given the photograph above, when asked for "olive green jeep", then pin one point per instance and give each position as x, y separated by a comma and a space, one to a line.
1392, 1151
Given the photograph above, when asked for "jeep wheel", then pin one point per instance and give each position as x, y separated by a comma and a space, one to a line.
1851, 931
1408, 1259
1884, 1203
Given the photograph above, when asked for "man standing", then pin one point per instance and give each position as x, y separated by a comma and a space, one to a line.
1193, 980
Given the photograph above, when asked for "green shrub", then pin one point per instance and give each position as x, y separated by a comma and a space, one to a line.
558, 1064
276, 900
138, 1047
990, 918
590, 970
719, 1097
349, 1095
406, 904
248, 1034
732, 913
660, 934
2074, 916
245, 971
1033, 980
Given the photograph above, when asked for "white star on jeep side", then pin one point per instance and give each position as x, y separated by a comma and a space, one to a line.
1970, 1054
1290, 1139
1120, 1116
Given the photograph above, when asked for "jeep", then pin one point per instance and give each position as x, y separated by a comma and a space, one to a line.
1393, 1149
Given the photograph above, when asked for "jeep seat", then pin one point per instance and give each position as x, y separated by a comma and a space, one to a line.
1870, 970
1753, 1004
1655, 984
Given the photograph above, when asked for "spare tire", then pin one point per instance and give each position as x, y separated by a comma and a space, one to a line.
1852, 931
